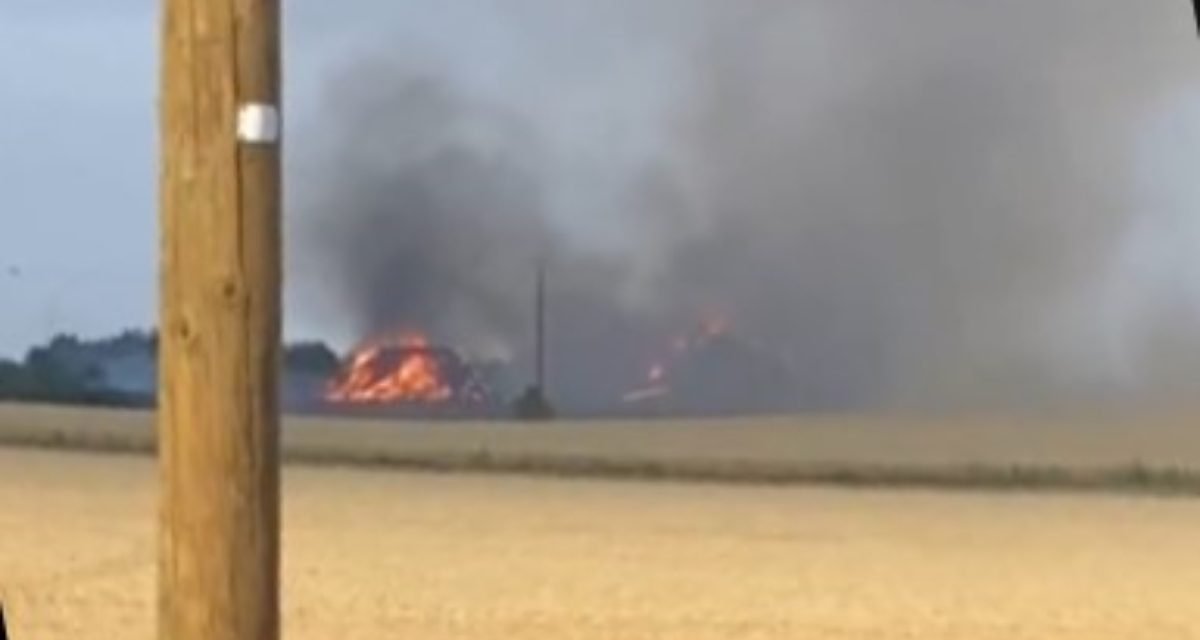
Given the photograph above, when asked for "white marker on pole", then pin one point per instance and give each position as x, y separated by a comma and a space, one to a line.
258, 124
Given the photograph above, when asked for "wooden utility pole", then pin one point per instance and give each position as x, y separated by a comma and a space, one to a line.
219, 320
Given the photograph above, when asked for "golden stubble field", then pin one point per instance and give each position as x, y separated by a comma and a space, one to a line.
382, 554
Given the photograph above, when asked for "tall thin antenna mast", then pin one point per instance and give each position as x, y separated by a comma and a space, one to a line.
533, 403
541, 325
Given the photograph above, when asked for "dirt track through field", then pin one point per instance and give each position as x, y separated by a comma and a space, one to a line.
372, 554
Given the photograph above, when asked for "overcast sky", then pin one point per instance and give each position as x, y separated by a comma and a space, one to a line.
77, 153
77, 133
76, 160
77, 125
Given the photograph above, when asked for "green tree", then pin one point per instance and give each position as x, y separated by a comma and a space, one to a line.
314, 358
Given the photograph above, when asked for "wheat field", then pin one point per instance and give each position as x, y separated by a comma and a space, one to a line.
386, 554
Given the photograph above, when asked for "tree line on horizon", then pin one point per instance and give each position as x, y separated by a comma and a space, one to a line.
118, 371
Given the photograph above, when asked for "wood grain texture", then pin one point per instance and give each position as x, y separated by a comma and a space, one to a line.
220, 322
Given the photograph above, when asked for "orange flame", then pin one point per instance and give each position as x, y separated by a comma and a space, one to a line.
401, 369
658, 376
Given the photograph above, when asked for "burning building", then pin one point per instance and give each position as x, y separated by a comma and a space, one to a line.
408, 375
709, 371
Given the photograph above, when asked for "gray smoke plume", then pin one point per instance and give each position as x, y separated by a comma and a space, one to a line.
429, 212
916, 202
905, 196
426, 211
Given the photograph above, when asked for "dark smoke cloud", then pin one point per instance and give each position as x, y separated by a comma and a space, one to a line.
918, 202
431, 216
425, 209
